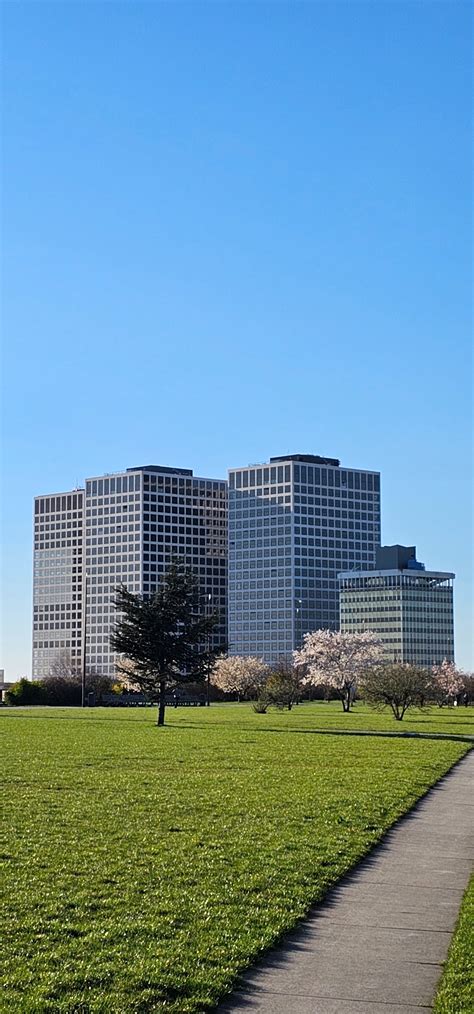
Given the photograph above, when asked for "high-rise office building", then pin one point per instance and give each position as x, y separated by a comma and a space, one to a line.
134, 522
294, 523
409, 608
57, 579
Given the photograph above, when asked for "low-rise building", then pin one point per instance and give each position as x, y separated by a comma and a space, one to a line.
408, 607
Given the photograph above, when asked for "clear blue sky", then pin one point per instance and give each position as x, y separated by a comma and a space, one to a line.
232, 231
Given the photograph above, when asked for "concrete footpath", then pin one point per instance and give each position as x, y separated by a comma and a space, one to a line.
377, 943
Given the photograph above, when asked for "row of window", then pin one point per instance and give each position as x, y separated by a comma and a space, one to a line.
339, 478
70, 611
115, 484
200, 531
49, 527
259, 503
268, 624
304, 474
53, 626
57, 540
113, 505
201, 486
423, 584
196, 499
351, 530
260, 477
39, 643
337, 498
426, 609
274, 643
57, 504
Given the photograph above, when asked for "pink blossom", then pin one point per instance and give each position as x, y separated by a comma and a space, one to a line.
448, 678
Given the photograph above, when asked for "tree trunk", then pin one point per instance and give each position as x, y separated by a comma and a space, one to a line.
161, 704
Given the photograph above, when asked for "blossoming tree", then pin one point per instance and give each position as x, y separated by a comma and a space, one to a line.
239, 674
336, 660
448, 681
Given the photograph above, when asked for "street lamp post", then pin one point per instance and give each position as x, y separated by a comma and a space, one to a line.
298, 623
208, 680
84, 646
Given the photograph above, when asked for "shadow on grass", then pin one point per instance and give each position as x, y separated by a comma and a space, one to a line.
378, 733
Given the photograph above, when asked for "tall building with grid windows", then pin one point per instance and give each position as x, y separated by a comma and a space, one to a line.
409, 608
123, 529
57, 579
294, 523
136, 521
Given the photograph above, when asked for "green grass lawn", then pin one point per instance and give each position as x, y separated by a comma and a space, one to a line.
456, 990
144, 867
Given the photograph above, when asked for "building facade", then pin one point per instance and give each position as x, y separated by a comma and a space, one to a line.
57, 579
409, 608
132, 524
294, 523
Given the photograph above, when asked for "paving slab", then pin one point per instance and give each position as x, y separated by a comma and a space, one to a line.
437, 852
436, 920
281, 1003
422, 945
434, 875
377, 943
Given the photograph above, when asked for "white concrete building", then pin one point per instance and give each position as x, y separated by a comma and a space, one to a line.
409, 608
135, 522
126, 530
57, 579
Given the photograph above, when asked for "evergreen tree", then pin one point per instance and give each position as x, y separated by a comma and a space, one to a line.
165, 638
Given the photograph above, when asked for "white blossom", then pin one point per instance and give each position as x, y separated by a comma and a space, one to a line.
239, 674
336, 660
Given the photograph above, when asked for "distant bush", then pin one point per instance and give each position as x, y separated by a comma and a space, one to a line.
62, 690
260, 706
57, 691
25, 692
